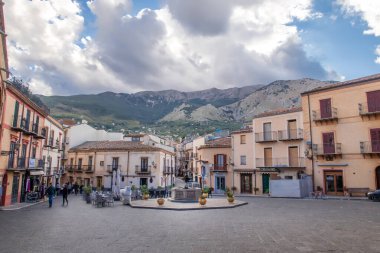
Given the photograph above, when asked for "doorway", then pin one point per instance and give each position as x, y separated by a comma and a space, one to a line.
220, 184
143, 181
378, 177
246, 183
15, 184
293, 157
333, 182
4, 186
265, 178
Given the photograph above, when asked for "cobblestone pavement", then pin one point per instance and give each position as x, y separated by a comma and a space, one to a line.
264, 225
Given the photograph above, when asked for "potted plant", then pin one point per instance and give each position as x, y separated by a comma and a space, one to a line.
202, 200
233, 189
230, 196
87, 192
145, 192
205, 192
160, 201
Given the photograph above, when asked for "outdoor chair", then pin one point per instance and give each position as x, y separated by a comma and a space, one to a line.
100, 201
109, 200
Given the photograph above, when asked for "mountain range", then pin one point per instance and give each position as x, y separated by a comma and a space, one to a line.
123, 110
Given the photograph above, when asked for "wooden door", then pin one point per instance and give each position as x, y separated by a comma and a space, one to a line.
373, 100
4, 186
246, 183
375, 140
15, 184
334, 182
293, 157
325, 106
292, 129
328, 143
265, 178
378, 177
268, 157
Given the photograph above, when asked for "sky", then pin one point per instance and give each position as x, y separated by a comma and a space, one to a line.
66, 47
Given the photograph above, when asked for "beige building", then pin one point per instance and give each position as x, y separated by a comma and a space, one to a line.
242, 152
213, 164
4, 74
119, 163
342, 128
278, 148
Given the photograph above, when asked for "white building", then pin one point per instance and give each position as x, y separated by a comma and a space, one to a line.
53, 150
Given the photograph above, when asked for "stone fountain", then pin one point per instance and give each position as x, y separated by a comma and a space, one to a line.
181, 193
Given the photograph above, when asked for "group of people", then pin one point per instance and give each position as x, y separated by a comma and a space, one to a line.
67, 188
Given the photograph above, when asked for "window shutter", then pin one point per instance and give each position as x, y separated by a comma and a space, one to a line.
373, 100
325, 107
375, 139
224, 160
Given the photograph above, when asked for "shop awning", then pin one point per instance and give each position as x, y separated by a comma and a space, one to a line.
37, 173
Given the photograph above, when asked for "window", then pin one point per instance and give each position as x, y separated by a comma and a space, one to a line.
90, 162
242, 139
325, 106
373, 100
15, 116
375, 140
288, 177
122, 179
79, 163
243, 160
101, 163
144, 163
136, 139
71, 161
34, 150
267, 127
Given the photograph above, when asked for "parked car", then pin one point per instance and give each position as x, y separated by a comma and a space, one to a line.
375, 195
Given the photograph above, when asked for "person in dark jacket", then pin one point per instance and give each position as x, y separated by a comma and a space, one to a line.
50, 192
65, 192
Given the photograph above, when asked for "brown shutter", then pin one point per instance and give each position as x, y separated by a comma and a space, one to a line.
328, 143
225, 162
215, 161
373, 100
325, 106
375, 139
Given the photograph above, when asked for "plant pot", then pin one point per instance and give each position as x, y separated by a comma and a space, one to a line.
146, 196
88, 199
202, 201
231, 199
205, 195
160, 201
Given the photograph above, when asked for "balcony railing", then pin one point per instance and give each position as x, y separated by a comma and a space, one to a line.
87, 168
266, 137
333, 115
291, 134
370, 147
146, 170
20, 123
169, 170
39, 132
220, 168
365, 110
111, 168
28, 163
282, 162
70, 168
327, 149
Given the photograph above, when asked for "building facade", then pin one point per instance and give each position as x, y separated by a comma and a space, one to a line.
115, 164
53, 150
242, 152
22, 139
279, 150
213, 164
342, 128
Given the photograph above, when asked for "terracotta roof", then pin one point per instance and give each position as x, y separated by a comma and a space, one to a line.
279, 112
135, 135
67, 122
242, 131
346, 83
218, 143
113, 146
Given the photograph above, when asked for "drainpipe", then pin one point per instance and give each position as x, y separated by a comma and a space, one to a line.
311, 140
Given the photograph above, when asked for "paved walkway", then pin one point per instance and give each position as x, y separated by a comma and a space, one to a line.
19, 206
212, 203
264, 225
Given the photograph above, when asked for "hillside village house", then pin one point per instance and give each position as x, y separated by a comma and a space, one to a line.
244, 173
213, 166
22, 138
279, 148
342, 128
53, 150
119, 163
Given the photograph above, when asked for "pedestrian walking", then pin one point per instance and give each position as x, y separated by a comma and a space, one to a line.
50, 192
65, 192
58, 188
76, 188
81, 189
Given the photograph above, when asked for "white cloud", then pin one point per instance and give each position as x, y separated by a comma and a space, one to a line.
369, 12
377, 51
185, 46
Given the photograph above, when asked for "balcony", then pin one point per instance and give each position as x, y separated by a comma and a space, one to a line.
290, 135
328, 117
328, 150
38, 132
266, 137
145, 170
364, 110
70, 168
169, 171
111, 168
24, 163
370, 148
49, 143
87, 168
219, 168
21, 124
282, 162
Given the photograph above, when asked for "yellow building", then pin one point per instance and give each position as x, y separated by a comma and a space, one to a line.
214, 164
342, 128
244, 173
22, 134
279, 148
